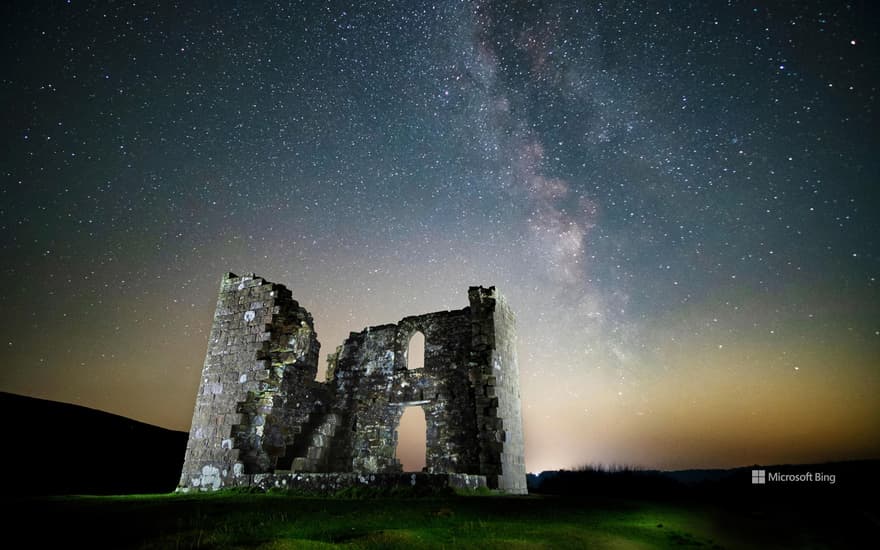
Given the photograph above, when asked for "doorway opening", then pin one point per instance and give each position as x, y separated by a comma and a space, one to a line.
412, 439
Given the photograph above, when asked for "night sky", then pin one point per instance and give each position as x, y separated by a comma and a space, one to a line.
679, 202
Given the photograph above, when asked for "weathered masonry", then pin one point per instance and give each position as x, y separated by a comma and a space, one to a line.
262, 419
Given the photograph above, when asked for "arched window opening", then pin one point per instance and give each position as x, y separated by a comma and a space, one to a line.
412, 438
415, 354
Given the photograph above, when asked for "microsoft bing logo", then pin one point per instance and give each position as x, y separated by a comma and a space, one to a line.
759, 477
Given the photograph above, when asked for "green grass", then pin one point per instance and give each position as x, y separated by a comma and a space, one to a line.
278, 521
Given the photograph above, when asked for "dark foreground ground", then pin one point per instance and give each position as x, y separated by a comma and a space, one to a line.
241, 520
78, 450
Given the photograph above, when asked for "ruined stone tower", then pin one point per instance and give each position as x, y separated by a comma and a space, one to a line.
262, 419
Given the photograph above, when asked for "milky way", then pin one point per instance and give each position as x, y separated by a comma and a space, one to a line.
679, 203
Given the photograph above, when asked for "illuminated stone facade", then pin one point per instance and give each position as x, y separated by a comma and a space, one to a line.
260, 416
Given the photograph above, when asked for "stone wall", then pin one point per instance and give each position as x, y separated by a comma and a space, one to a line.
384, 387
331, 483
498, 394
259, 410
257, 386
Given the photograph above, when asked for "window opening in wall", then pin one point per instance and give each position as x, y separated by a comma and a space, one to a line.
415, 354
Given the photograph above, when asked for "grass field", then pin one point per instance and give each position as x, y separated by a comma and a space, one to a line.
276, 521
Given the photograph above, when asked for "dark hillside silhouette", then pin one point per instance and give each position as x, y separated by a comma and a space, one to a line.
56, 448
